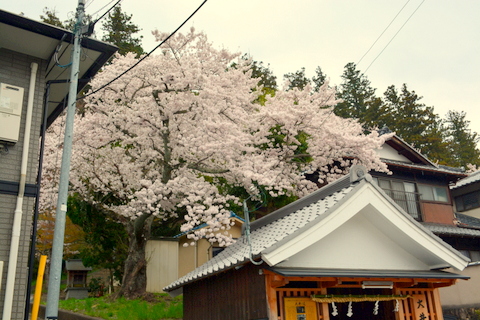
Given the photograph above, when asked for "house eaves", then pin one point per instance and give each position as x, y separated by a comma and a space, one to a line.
41, 40
444, 230
396, 274
406, 150
472, 178
452, 174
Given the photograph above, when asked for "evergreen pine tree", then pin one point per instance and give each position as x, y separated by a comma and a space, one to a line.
416, 123
119, 30
318, 79
462, 141
359, 100
297, 79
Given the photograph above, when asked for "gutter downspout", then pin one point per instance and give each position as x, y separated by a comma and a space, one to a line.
16, 230
33, 237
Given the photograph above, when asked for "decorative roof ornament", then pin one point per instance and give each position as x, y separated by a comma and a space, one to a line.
359, 172
384, 130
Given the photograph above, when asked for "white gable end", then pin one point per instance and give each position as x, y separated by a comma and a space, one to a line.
357, 244
387, 152
366, 231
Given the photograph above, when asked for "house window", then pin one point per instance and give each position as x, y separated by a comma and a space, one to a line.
403, 193
433, 193
468, 201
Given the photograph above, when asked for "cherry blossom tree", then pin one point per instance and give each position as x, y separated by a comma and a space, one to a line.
160, 141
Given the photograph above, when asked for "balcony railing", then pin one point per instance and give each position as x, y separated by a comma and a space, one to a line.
409, 201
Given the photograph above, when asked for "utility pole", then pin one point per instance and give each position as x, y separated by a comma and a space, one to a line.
59, 233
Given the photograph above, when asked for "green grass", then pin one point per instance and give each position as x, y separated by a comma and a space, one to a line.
163, 308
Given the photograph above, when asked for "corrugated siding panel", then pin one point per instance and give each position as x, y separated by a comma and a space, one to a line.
232, 295
15, 70
162, 266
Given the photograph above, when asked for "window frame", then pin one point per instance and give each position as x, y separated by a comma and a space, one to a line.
434, 194
412, 207
460, 199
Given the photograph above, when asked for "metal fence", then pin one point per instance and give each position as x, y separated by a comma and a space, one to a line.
409, 201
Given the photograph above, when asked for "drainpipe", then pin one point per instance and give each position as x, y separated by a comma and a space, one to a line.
17, 219
33, 238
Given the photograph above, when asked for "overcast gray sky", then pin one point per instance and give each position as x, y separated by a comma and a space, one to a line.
434, 44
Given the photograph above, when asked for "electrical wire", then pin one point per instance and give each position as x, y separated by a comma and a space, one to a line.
383, 32
57, 49
403, 25
103, 15
145, 56
96, 12
88, 3
363, 73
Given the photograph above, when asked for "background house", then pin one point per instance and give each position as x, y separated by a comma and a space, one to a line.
419, 186
348, 244
171, 258
445, 201
31, 75
466, 195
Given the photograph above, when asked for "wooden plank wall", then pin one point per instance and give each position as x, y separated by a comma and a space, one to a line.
231, 295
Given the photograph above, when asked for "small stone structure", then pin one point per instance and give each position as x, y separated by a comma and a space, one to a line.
76, 279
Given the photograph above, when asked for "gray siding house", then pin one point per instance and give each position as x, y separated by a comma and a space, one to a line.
34, 59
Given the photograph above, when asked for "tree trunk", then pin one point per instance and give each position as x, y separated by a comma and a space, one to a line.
134, 283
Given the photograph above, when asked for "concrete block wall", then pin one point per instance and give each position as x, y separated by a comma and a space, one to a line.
15, 70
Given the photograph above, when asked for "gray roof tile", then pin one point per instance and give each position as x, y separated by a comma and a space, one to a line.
474, 177
265, 236
440, 229
440, 169
468, 221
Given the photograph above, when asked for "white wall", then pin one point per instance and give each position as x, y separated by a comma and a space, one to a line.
387, 152
465, 293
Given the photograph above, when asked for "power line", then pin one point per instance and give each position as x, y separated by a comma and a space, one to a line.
383, 32
103, 15
89, 3
102, 8
145, 56
91, 25
394, 36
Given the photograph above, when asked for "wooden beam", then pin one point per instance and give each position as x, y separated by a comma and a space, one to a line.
276, 280
271, 296
323, 308
437, 304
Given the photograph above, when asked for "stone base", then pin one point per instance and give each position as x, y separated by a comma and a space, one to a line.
76, 293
